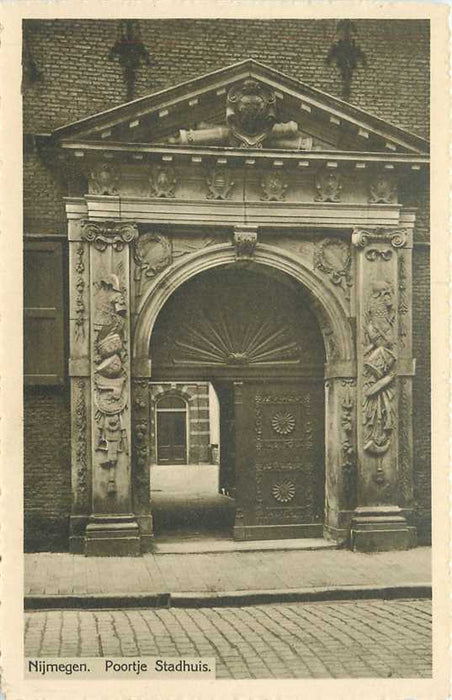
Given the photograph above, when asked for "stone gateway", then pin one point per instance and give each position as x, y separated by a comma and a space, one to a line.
248, 231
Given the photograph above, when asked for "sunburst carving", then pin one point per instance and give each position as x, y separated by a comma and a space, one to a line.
283, 491
283, 423
223, 340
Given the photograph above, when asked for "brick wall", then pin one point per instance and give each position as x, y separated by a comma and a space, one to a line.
78, 79
421, 390
47, 483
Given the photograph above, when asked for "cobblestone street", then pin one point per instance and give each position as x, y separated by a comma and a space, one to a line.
357, 639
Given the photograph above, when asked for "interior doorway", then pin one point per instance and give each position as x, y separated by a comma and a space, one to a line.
171, 430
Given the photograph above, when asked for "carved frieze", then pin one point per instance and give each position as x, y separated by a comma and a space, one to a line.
274, 185
219, 183
328, 184
162, 182
382, 188
109, 233
151, 254
332, 256
104, 179
379, 366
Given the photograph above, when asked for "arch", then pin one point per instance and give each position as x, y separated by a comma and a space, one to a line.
330, 312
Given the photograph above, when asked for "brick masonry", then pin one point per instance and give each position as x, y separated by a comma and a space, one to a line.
78, 79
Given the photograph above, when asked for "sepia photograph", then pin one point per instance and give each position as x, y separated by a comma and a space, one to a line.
227, 403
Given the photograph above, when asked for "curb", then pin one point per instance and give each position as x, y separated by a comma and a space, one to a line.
226, 598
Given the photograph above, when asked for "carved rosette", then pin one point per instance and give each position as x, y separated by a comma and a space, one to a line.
245, 240
332, 256
283, 490
283, 423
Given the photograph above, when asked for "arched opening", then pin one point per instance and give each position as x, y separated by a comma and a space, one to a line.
250, 332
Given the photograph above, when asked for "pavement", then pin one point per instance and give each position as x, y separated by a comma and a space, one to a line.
354, 639
195, 579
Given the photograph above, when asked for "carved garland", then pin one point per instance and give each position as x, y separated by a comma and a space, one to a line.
348, 464
332, 256
80, 286
82, 441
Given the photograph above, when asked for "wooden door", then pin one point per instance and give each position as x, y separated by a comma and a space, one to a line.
171, 431
279, 459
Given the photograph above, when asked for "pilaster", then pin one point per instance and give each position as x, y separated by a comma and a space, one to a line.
385, 366
112, 528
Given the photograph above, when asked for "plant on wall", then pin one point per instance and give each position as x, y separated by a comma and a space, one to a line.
346, 54
131, 52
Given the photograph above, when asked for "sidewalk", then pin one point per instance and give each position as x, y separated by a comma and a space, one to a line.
223, 578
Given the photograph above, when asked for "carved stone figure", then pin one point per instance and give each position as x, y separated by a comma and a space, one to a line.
379, 368
110, 397
274, 186
104, 179
251, 122
328, 186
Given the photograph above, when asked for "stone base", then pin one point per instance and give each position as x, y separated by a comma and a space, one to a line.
146, 527
380, 529
112, 536
276, 532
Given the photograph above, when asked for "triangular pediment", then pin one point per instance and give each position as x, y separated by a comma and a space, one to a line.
200, 113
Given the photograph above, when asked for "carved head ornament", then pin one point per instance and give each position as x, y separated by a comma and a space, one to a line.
250, 111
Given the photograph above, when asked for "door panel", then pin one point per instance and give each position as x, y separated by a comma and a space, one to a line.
279, 459
171, 437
